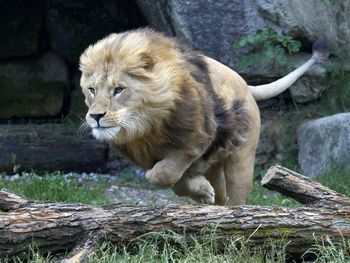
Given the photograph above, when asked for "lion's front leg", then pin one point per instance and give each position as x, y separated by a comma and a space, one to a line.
168, 171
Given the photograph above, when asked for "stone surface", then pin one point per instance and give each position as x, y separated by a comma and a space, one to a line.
124, 13
157, 14
21, 22
277, 140
324, 142
213, 26
34, 87
77, 107
49, 147
309, 20
74, 25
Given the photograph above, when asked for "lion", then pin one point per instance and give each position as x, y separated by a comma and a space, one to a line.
189, 121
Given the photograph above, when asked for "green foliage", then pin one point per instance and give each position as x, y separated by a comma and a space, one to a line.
53, 187
268, 46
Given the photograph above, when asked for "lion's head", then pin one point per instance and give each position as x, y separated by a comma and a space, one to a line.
127, 82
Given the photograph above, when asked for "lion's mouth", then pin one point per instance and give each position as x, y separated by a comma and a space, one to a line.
104, 133
104, 127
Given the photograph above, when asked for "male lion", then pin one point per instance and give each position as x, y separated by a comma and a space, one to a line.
187, 119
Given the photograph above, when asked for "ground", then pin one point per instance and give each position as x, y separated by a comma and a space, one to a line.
130, 187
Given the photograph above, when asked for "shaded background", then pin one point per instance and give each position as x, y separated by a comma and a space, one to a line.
41, 105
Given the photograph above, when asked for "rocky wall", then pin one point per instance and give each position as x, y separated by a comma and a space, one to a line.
40, 45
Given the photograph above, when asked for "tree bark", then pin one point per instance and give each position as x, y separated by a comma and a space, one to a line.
302, 188
56, 227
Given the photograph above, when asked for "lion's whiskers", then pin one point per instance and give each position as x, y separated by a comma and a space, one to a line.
84, 129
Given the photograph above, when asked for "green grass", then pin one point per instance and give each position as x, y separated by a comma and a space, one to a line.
263, 196
172, 247
337, 179
53, 187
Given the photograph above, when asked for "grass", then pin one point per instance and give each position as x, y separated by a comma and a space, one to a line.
337, 179
53, 187
263, 196
172, 247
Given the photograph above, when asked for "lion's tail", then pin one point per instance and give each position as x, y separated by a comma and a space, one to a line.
320, 52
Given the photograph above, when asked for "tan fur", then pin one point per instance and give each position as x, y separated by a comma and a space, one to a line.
164, 120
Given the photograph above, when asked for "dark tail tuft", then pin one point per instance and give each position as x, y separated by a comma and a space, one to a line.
320, 49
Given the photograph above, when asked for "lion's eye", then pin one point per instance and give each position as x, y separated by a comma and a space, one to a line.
92, 90
117, 90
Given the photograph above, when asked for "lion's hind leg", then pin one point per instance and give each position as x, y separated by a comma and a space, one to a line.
197, 188
239, 168
216, 177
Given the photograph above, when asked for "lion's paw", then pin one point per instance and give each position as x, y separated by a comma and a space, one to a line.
202, 191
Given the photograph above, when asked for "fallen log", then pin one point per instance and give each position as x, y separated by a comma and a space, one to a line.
57, 227
302, 188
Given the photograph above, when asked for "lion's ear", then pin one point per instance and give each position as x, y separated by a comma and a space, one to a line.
143, 67
147, 62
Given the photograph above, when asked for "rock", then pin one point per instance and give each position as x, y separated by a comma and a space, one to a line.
73, 26
277, 140
211, 26
214, 26
34, 87
266, 148
77, 107
125, 14
324, 142
157, 14
310, 20
49, 147
20, 26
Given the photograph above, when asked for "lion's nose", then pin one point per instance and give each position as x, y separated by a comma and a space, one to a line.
97, 116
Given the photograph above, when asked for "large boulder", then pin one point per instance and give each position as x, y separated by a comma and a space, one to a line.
49, 147
309, 20
324, 142
74, 25
213, 26
33, 87
20, 26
